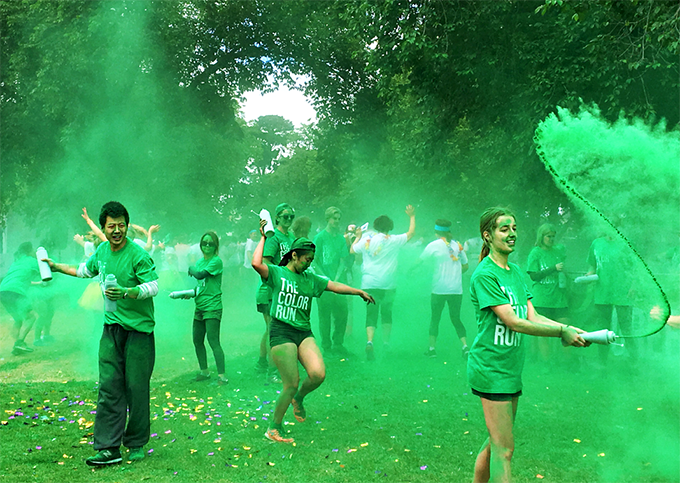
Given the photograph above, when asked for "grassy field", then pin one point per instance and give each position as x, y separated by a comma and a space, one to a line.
401, 418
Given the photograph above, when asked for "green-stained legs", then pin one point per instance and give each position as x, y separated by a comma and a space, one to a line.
286, 356
493, 460
264, 342
482, 463
25, 327
311, 359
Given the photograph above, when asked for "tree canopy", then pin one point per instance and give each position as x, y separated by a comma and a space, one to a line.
423, 101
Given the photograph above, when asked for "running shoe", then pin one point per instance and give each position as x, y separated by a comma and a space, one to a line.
136, 454
201, 377
466, 352
341, 351
105, 457
370, 355
273, 376
299, 411
43, 341
431, 353
21, 348
274, 435
222, 381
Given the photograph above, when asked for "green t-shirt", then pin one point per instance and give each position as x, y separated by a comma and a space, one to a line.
210, 288
547, 291
613, 268
275, 247
132, 266
496, 357
21, 273
292, 295
331, 251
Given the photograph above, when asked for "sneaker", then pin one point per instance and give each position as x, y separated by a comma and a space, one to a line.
21, 348
273, 376
43, 341
273, 434
201, 377
341, 351
431, 353
222, 381
369, 352
299, 411
136, 454
466, 352
274, 379
105, 457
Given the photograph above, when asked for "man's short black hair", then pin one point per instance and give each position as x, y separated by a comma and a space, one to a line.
383, 224
114, 210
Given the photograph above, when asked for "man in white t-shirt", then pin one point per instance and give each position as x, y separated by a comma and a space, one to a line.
447, 283
379, 268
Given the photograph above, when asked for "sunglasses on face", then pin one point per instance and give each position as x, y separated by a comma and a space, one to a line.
207, 244
288, 217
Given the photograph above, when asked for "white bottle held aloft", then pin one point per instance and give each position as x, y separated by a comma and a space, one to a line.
45, 272
110, 282
269, 227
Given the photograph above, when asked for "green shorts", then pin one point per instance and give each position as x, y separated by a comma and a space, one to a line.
17, 305
264, 308
207, 314
282, 333
499, 396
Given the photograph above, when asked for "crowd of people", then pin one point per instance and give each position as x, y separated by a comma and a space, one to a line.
293, 269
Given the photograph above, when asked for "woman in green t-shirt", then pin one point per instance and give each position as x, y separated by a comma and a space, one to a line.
504, 311
290, 333
208, 314
546, 269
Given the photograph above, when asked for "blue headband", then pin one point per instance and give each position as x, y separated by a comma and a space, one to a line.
442, 228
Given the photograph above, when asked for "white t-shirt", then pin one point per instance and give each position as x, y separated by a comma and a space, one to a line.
142, 244
89, 249
448, 274
248, 253
473, 245
379, 266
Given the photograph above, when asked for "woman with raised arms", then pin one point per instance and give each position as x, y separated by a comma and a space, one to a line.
290, 333
504, 313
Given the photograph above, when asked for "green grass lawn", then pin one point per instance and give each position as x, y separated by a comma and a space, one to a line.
402, 418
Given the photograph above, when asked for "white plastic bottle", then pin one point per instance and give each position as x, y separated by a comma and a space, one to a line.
110, 282
45, 272
183, 293
269, 227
